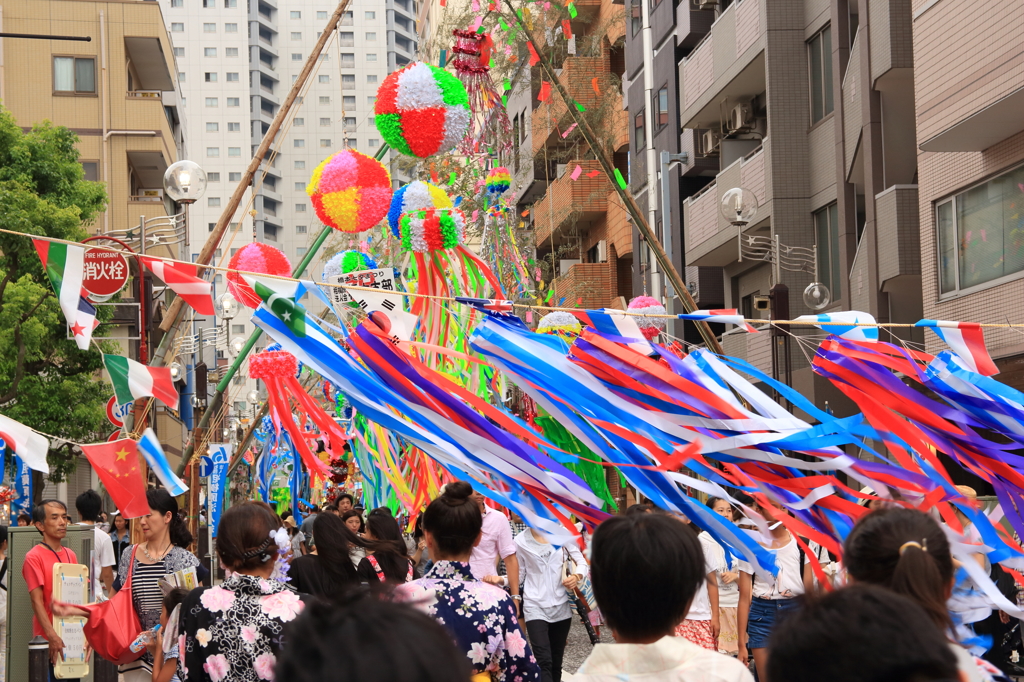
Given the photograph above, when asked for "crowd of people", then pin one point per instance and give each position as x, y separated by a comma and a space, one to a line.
460, 596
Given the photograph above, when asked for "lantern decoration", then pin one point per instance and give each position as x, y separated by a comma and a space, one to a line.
432, 229
413, 197
350, 191
498, 182
345, 262
258, 258
490, 128
278, 369
646, 305
560, 323
422, 110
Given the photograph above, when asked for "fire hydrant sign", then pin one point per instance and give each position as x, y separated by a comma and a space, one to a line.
106, 272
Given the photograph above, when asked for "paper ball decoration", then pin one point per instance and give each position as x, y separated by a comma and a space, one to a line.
422, 110
258, 258
649, 326
498, 181
350, 191
432, 229
414, 197
345, 262
270, 364
275, 348
561, 323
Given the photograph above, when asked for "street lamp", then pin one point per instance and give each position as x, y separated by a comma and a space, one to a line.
185, 182
235, 346
227, 306
176, 371
739, 206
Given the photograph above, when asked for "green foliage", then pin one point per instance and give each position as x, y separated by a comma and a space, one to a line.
46, 382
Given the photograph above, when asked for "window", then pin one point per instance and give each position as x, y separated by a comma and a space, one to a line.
325, 121
296, 35
635, 18
270, 232
176, 3
231, 28
826, 229
237, 328
209, 28
820, 60
232, 101
91, 170
661, 108
213, 152
213, 177
212, 126
348, 81
371, 35
374, 142
179, 52
639, 134
232, 76
350, 124
295, 14
346, 18
234, 226
325, 142
321, 15
371, 100
299, 122
300, 186
234, 127
300, 208
177, 27
298, 143
325, 100
210, 226
322, 78
324, 57
209, 4
346, 39
211, 101
371, 57
300, 229
181, 76
369, 16
977, 234
210, 76
213, 202
230, 51
300, 165
234, 177
371, 78
371, 120
348, 101
296, 56
348, 60
229, 4
209, 52
300, 251
234, 151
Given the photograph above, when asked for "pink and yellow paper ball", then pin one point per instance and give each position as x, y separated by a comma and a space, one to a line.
261, 259
350, 191
647, 306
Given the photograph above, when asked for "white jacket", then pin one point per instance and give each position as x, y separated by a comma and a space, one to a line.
670, 659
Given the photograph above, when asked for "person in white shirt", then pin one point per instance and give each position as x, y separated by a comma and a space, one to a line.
548, 573
495, 543
727, 578
701, 625
645, 570
102, 559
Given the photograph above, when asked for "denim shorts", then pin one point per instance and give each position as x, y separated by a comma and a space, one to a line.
764, 615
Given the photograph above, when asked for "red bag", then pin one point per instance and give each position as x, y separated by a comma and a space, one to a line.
113, 625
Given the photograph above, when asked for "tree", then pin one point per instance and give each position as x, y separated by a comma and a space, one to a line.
46, 382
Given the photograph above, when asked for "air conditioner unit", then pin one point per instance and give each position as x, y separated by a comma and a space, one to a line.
565, 264
602, 251
741, 118
706, 4
708, 143
560, 169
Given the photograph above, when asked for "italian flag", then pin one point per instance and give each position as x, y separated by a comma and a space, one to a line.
64, 265
134, 380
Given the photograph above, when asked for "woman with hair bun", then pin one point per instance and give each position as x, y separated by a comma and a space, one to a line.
480, 617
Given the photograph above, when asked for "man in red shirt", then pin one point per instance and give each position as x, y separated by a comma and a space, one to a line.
50, 518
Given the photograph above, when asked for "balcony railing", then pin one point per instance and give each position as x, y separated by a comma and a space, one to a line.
145, 94
588, 285
566, 199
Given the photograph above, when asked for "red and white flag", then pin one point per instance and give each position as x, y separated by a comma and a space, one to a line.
183, 280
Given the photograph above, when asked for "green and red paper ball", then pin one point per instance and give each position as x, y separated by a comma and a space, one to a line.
422, 110
432, 229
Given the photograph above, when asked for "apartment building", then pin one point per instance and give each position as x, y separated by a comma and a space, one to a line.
118, 92
968, 86
236, 61
807, 104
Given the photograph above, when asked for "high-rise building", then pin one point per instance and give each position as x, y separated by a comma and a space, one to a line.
237, 61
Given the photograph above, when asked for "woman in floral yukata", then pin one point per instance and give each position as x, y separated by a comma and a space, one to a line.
235, 631
481, 617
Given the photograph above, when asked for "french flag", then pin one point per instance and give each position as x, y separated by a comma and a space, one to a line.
724, 316
853, 325
967, 340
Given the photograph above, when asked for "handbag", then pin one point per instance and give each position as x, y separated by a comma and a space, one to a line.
113, 625
582, 599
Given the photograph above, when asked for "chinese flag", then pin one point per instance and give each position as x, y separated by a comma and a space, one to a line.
117, 464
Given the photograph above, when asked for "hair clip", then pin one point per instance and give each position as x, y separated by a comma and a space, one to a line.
923, 546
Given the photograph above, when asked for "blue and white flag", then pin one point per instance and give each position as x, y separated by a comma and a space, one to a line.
619, 327
150, 448
22, 485
723, 316
847, 324
220, 455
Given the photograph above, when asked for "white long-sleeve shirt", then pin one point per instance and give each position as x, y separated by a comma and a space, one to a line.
540, 569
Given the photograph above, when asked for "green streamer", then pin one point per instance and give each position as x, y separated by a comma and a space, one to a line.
619, 179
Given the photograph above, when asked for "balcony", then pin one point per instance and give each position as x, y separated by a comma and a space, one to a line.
899, 232
594, 283
754, 348
577, 77
728, 63
710, 239
566, 200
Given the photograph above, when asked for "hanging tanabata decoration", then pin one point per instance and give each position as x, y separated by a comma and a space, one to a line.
345, 262
647, 306
498, 244
422, 110
350, 191
415, 196
498, 182
560, 323
261, 259
490, 129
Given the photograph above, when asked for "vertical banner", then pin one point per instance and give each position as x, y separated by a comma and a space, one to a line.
22, 485
220, 456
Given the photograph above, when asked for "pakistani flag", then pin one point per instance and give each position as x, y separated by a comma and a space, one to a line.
279, 296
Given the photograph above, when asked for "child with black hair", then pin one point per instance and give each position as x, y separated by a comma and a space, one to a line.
165, 660
646, 570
